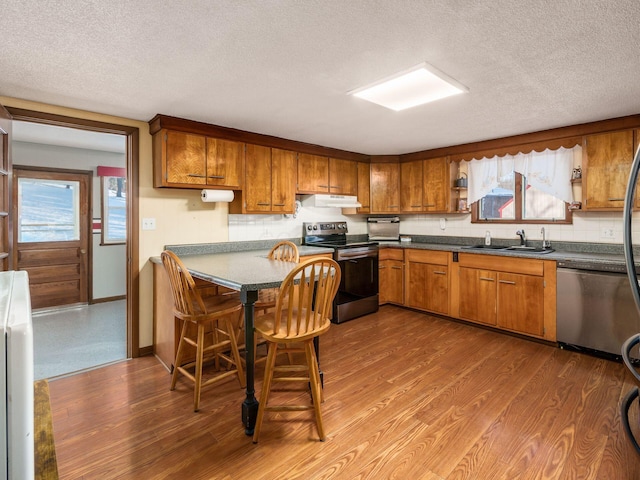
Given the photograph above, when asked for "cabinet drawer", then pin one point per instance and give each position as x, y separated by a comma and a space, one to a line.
391, 254
435, 257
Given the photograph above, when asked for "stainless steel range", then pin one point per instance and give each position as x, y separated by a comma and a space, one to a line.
358, 292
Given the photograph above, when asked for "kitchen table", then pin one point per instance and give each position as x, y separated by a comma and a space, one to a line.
246, 272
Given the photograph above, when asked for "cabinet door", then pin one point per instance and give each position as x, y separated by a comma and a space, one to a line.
313, 174
257, 185
364, 187
436, 184
186, 158
391, 280
521, 303
283, 183
478, 294
427, 287
385, 180
608, 158
224, 163
343, 177
411, 186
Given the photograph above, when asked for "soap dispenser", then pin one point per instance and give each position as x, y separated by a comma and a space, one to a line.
487, 238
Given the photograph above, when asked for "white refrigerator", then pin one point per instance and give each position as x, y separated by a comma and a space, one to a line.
16, 384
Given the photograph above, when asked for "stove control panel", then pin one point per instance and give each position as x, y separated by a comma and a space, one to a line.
324, 228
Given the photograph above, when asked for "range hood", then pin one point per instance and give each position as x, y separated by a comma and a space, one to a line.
321, 200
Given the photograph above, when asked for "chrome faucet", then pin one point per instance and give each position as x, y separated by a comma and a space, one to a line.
523, 239
545, 243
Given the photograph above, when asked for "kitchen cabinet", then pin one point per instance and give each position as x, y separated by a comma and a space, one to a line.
607, 159
317, 174
515, 294
427, 280
385, 183
269, 186
187, 160
424, 185
391, 276
364, 187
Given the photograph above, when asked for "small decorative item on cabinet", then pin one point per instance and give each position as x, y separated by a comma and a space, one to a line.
461, 181
462, 205
576, 174
575, 206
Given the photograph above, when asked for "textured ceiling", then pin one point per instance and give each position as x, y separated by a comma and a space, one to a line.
283, 67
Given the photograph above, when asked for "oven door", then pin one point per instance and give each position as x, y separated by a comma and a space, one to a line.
358, 292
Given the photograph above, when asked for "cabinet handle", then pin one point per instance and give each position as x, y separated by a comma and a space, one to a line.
430, 205
393, 206
616, 199
380, 267
221, 177
438, 272
488, 279
262, 204
278, 204
323, 186
397, 268
507, 282
196, 175
415, 206
332, 186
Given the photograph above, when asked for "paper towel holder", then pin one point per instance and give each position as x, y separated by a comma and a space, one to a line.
210, 196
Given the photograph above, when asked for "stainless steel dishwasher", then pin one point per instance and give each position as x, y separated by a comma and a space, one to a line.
595, 308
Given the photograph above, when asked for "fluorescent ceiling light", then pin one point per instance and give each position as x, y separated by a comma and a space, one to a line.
420, 84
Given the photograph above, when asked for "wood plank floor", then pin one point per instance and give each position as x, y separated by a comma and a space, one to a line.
407, 396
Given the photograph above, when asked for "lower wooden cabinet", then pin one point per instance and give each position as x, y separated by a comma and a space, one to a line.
478, 295
427, 280
391, 276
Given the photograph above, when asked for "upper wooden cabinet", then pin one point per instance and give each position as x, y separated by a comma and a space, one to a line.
317, 174
424, 185
187, 160
385, 183
607, 159
364, 187
269, 186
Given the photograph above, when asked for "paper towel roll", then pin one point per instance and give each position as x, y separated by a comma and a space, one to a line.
217, 195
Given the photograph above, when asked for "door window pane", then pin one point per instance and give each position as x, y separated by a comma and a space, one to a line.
48, 210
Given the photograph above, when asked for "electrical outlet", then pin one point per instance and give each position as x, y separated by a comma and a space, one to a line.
148, 224
607, 233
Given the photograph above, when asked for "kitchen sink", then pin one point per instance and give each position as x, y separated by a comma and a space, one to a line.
527, 249
493, 247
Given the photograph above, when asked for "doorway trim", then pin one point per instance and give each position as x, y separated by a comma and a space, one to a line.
132, 135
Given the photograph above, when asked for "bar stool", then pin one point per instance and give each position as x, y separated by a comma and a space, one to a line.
634, 393
211, 315
303, 311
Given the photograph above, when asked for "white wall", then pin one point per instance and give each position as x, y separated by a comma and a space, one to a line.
109, 261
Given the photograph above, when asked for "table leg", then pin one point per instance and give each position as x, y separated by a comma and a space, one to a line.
250, 404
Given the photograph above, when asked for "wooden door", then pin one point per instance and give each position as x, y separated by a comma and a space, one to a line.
283, 182
411, 186
395, 275
6, 237
186, 158
257, 185
608, 158
364, 189
437, 289
224, 162
417, 276
478, 294
343, 177
51, 214
385, 180
521, 303
435, 184
313, 174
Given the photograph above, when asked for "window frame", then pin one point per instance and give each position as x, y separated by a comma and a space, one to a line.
517, 199
104, 211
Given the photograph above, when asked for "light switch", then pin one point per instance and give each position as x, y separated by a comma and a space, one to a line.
148, 224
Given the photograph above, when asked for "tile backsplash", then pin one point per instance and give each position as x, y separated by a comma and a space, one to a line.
592, 227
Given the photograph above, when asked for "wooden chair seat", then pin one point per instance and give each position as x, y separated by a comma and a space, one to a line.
302, 312
215, 319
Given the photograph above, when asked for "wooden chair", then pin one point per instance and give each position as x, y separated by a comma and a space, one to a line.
285, 251
211, 315
302, 312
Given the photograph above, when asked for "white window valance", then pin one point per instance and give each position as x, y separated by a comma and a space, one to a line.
549, 171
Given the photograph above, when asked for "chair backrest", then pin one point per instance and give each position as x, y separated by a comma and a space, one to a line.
305, 301
286, 251
183, 287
